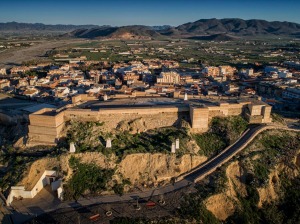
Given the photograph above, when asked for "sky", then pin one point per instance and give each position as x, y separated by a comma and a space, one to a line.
144, 12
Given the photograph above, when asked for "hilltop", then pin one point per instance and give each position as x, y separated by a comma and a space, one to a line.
210, 29
16, 27
230, 27
238, 27
125, 32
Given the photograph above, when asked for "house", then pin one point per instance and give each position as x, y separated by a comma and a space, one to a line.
31, 92
62, 92
19, 70
2, 71
227, 70
211, 71
4, 83
131, 77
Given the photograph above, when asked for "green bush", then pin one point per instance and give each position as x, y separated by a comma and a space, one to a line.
86, 177
223, 131
261, 171
153, 141
209, 143
276, 147
229, 128
277, 118
80, 132
118, 189
193, 208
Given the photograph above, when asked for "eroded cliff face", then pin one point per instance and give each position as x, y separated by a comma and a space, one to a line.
61, 164
151, 169
224, 204
142, 169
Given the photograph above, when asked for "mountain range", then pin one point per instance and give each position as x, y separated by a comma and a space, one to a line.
208, 29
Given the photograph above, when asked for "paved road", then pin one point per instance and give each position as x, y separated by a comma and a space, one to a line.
225, 155
41, 204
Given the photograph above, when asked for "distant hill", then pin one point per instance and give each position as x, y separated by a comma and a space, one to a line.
238, 27
40, 27
125, 32
158, 28
203, 29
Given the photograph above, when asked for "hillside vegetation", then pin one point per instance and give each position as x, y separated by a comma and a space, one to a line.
222, 132
260, 186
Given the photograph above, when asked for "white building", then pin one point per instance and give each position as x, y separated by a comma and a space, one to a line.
168, 78
2, 71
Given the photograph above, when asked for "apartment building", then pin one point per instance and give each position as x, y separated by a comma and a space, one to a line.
168, 78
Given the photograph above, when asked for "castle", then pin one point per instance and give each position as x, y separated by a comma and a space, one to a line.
46, 124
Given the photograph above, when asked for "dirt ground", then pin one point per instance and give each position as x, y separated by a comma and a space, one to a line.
10, 58
82, 214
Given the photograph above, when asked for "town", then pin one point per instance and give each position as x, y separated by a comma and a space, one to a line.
68, 74
197, 121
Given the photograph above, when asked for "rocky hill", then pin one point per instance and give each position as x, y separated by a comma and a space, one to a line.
238, 27
207, 29
260, 185
125, 32
257, 186
203, 27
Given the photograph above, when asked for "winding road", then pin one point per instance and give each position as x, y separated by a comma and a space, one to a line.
40, 205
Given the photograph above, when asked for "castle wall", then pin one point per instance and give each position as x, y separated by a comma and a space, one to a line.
199, 118
33, 129
46, 125
82, 97
150, 117
255, 119
81, 114
266, 113
46, 120
255, 109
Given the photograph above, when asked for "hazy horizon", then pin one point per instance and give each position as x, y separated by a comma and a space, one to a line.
148, 13
138, 24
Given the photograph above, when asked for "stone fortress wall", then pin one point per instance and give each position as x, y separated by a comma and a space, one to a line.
150, 118
46, 125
